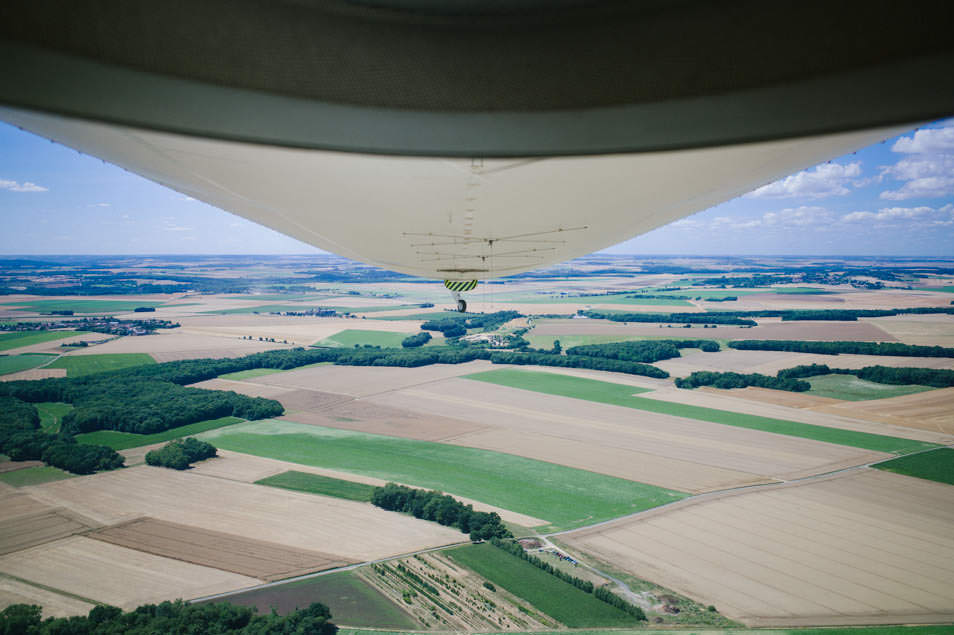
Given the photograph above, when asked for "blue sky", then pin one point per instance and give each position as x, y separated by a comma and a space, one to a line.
894, 198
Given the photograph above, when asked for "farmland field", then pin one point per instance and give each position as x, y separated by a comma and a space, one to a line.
851, 388
558, 599
79, 365
566, 341
33, 476
351, 600
16, 363
566, 497
318, 484
863, 547
622, 395
125, 440
622, 298
940, 629
936, 465
17, 339
352, 337
82, 306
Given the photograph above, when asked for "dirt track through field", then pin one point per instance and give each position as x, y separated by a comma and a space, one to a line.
863, 547
53, 604
247, 556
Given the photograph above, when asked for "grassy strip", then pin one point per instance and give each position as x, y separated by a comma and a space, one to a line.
51, 414
125, 440
622, 395
352, 337
318, 484
34, 476
558, 599
565, 496
80, 365
16, 363
249, 374
17, 339
936, 465
851, 388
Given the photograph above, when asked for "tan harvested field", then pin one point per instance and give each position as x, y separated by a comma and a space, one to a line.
847, 418
53, 604
243, 387
663, 450
863, 547
767, 329
770, 362
932, 410
246, 468
175, 344
247, 556
111, 574
777, 397
299, 331
26, 522
924, 330
349, 530
361, 381
35, 373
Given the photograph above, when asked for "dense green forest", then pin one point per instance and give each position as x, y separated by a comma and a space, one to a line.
440, 508
643, 350
169, 618
834, 348
179, 454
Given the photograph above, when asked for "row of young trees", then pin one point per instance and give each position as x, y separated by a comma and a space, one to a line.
601, 593
647, 351
834, 348
440, 508
181, 453
169, 617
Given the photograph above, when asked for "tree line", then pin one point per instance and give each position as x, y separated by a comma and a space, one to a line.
791, 378
168, 617
457, 325
728, 380
745, 318
647, 351
601, 593
440, 508
834, 348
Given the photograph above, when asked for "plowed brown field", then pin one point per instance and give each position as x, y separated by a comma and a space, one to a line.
25, 522
865, 547
932, 410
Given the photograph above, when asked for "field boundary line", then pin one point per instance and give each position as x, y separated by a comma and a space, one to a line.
10, 576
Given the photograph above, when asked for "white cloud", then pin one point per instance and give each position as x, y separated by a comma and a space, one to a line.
26, 186
98, 205
803, 216
176, 228
889, 214
928, 170
828, 179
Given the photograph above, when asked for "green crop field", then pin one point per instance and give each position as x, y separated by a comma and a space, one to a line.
33, 476
350, 337
936, 465
16, 339
622, 395
851, 388
51, 414
318, 484
251, 373
564, 496
26, 361
125, 440
560, 600
79, 365
83, 306
351, 600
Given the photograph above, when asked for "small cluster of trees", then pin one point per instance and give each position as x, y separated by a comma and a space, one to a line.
601, 593
834, 348
415, 341
440, 508
22, 440
169, 617
181, 453
642, 351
